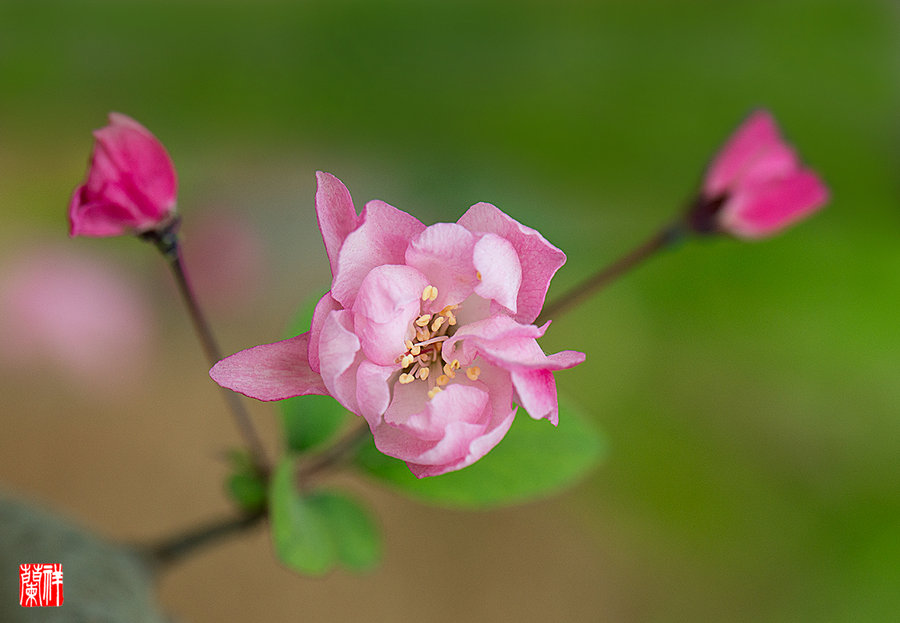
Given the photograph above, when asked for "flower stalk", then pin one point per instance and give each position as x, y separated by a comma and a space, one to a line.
664, 238
166, 240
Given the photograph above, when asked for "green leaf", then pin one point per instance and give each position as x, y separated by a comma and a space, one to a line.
300, 535
310, 421
245, 486
534, 460
315, 532
356, 537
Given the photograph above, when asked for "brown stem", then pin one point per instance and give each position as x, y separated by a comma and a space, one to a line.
166, 240
173, 549
663, 238
333, 455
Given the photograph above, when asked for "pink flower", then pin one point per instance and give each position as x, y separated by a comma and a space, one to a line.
130, 185
425, 333
756, 186
79, 314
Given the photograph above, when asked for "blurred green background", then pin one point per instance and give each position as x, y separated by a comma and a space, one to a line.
748, 391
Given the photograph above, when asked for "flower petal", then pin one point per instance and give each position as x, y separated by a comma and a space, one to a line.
537, 393
335, 214
373, 392
382, 238
774, 206
270, 371
441, 433
388, 302
443, 253
755, 136
499, 270
538, 258
339, 358
325, 306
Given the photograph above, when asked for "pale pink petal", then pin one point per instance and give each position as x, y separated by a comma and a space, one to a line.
538, 258
537, 393
340, 357
382, 238
270, 371
755, 136
373, 392
388, 302
336, 215
325, 306
774, 206
442, 432
443, 253
499, 270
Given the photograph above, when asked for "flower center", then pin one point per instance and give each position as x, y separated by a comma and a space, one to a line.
422, 358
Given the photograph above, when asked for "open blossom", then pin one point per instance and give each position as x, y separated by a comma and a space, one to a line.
130, 186
426, 332
756, 185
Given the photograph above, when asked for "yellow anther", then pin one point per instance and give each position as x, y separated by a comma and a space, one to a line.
409, 345
473, 372
451, 319
434, 391
437, 323
406, 378
433, 294
478, 274
443, 379
423, 373
447, 309
423, 320
423, 335
429, 293
455, 364
425, 359
415, 350
407, 361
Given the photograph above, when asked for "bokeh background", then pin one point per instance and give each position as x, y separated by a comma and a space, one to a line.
748, 392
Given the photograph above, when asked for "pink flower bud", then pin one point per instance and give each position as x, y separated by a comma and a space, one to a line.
130, 186
756, 185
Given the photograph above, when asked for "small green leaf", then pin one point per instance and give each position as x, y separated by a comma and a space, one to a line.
249, 491
299, 533
245, 486
356, 536
315, 532
310, 421
534, 460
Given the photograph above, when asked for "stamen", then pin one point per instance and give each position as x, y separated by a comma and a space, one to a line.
448, 370
414, 350
409, 345
473, 372
451, 319
429, 293
423, 320
407, 361
423, 373
443, 379
454, 365
432, 340
434, 391
437, 323
406, 378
